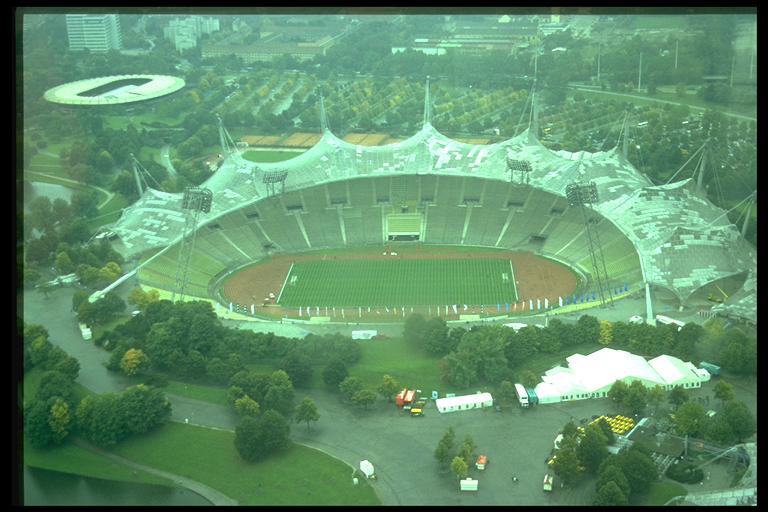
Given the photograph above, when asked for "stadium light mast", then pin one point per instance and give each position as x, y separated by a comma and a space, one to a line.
135, 163
427, 106
323, 116
582, 194
195, 201
640, 72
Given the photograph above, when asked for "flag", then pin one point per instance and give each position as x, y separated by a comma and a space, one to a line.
508, 307
300, 308
455, 309
385, 307
360, 311
309, 311
411, 309
465, 307
583, 297
218, 307
318, 310
515, 306
326, 310
430, 310
230, 307
342, 313
574, 298
403, 311
446, 309
560, 301
369, 309
334, 310
538, 303
546, 303
498, 308
530, 303
253, 309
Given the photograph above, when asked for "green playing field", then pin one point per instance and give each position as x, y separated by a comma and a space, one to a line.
399, 282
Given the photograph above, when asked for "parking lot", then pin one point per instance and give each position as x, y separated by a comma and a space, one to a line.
516, 441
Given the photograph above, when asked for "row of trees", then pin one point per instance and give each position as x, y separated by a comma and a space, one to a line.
494, 354
187, 340
456, 458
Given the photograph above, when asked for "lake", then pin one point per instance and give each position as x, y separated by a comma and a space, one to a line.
44, 487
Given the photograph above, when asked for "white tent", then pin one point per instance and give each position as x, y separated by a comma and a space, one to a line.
367, 468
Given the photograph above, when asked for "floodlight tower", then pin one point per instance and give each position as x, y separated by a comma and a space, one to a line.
582, 194
195, 201
519, 171
272, 178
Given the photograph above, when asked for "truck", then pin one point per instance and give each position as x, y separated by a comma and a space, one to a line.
533, 399
713, 369
405, 397
522, 395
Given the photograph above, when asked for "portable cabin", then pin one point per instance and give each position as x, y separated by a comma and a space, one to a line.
468, 484
462, 403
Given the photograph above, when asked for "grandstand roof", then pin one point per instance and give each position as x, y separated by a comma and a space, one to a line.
683, 241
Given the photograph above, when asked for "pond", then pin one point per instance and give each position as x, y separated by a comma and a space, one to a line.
51, 191
44, 487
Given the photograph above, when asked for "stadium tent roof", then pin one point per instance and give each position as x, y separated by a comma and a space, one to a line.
599, 370
683, 241
604, 367
673, 370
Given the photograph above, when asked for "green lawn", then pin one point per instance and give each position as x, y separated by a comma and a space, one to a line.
270, 156
69, 458
212, 394
662, 492
355, 283
393, 356
297, 476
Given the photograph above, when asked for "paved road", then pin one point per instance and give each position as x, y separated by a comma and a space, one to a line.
104, 191
165, 159
400, 447
692, 107
209, 493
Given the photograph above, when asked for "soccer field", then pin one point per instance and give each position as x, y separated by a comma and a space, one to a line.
399, 282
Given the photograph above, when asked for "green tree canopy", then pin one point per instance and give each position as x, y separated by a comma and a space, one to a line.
364, 397
459, 467
689, 419
610, 494
593, 448
388, 388
257, 438
350, 386
306, 412
334, 373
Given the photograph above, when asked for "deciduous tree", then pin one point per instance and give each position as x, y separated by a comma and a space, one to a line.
459, 467
247, 406
133, 361
364, 397
306, 412
388, 388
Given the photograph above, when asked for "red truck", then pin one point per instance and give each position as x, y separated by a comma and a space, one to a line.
405, 397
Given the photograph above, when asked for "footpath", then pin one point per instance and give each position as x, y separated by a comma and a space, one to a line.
209, 493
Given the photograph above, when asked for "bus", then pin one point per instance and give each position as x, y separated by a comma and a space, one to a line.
522, 395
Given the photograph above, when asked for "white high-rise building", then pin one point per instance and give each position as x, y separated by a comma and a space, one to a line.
95, 32
184, 33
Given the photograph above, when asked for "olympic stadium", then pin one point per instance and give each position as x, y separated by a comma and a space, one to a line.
114, 90
431, 194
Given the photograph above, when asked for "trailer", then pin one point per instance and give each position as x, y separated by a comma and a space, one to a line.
713, 369
85, 331
548, 481
522, 395
481, 462
533, 399
364, 335
461, 403
670, 321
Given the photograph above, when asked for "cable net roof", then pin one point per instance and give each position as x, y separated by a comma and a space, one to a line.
683, 241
